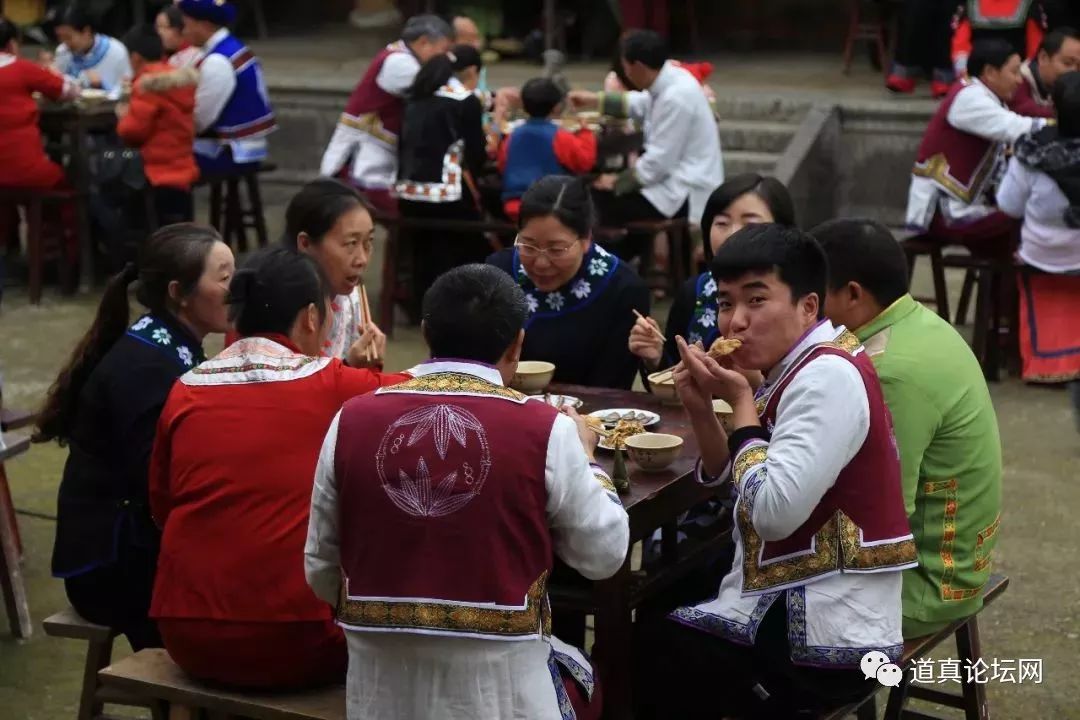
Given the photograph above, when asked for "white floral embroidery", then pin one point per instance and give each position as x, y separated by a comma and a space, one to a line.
556, 301
530, 302
162, 336
710, 287
185, 355
145, 322
598, 266
708, 318
581, 289
693, 338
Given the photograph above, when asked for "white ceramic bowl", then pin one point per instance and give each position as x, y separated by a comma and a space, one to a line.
723, 413
532, 376
653, 451
665, 391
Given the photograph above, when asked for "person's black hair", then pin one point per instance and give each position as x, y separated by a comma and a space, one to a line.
173, 253
795, 257
1055, 39
771, 191
174, 16
432, 27
144, 40
465, 56
8, 31
646, 47
432, 75
540, 97
989, 52
316, 209
473, 312
75, 16
1066, 95
271, 288
563, 197
864, 251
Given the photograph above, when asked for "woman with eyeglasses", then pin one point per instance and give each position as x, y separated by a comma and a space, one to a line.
581, 298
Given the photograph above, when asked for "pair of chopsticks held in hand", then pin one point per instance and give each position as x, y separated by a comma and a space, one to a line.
371, 353
670, 372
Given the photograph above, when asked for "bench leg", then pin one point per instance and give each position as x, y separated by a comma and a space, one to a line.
965, 297
258, 219
8, 508
215, 208
234, 216
970, 649
894, 710
389, 280
941, 290
11, 580
868, 710
34, 250
98, 656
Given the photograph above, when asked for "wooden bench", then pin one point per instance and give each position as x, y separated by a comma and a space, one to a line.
38, 251
228, 214
99, 638
11, 579
154, 679
972, 701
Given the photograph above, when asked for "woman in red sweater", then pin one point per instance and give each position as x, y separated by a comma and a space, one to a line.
230, 486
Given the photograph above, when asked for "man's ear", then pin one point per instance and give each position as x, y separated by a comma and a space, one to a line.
855, 291
513, 353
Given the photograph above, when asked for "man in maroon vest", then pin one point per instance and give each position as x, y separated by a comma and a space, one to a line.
962, 154
1058, 54
367, 133
821, 533
436, 513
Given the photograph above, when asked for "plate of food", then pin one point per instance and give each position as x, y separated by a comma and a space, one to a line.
612, 416
616, 437
558, 401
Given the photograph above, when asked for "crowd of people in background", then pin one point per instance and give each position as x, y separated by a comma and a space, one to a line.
353, 500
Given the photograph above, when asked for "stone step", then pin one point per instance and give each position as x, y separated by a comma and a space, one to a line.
762, 107
737, 162
755, 136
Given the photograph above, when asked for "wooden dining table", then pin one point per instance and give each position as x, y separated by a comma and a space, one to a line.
654, 501
67, 127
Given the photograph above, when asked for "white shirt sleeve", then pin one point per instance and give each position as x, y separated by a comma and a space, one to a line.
589, 527
217, 82
977, 111
1015, 189
397, 73
821, 423
638, 104
62, 60
322, 551
665, 144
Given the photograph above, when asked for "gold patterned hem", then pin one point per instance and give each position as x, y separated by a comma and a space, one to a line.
837, 547
984, 555
747, 459
453, 383
370, 124
936, 168
451, 618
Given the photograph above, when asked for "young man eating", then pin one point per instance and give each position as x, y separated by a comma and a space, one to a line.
821, 535
434, 537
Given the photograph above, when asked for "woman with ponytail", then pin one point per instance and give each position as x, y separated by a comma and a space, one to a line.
231, 481
104, 407
581, 299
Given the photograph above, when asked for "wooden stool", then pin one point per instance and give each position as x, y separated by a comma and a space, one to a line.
928, 246
678, 233
10, 420
228, 214
69, 624
151, 677
11, 579
993, 282
973, 699
37, 249
874, 32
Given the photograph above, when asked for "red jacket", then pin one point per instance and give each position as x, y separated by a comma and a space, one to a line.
22, 161
161, 123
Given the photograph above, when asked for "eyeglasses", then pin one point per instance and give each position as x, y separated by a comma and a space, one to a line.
555, 253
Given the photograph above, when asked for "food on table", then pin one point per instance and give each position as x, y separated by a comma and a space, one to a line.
596, 425
623, 430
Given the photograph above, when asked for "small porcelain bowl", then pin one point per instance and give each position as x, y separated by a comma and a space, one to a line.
532, 376
653, 451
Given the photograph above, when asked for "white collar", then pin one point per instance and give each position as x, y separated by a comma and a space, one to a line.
6, 59
215, 40
663, 79
823, 332
988, 91
253, 360
465, 367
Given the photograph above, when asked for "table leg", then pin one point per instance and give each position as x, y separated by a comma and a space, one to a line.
613, 647
81, 181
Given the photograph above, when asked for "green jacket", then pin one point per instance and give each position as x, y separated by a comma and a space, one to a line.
950, 458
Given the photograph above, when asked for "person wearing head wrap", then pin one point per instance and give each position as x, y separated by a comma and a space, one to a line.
233, 115
364, 145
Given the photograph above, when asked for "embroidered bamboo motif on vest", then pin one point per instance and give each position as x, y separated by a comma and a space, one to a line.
452, 383
531, 620
936, 168
837, 546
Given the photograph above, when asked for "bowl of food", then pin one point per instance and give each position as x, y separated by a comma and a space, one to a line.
723, 413
532, 376
662, 385
653, 452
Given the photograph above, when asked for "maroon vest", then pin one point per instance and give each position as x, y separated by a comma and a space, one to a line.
859, 525
372, 109
443, 509
959, 163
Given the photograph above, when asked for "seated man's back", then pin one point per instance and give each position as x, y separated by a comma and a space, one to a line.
944, 421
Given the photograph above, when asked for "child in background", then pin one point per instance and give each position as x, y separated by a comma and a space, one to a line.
159, 120
540, 147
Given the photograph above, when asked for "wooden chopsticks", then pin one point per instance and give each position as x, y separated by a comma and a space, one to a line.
657, 332
365, 309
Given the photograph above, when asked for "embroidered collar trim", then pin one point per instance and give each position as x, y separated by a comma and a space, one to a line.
170, 340
703, 322
437, 366
597, 269
255, 360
